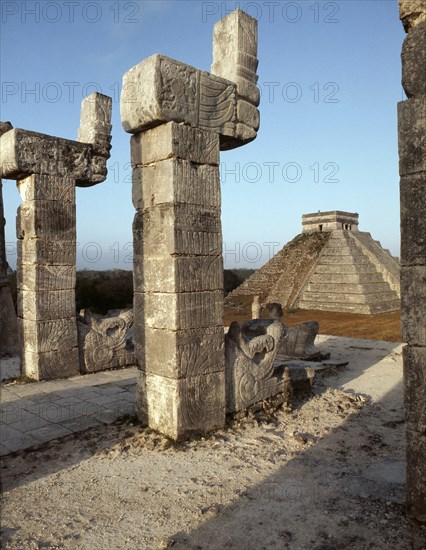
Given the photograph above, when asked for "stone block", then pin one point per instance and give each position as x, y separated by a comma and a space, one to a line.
411, 13
9, 343
414, 61
161, 90
181, 407
176, 181
46, 220
187, 310
47, 188
24, 153
95, 123
178, 229
184, 353
413, 219
413, 305
416, 476
46, 305
248, 115
48, 336
46, 251
415, 388
411, 131
51, 365
45, 277
173, 140
234, 46
179, 273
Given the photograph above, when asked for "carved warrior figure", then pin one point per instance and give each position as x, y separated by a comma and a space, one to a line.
47, 170
250, 351
181, 118
105, 342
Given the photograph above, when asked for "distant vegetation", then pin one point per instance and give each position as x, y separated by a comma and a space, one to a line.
104, 290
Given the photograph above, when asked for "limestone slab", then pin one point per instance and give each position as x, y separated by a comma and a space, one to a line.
411, 13
416, 475
179, 273
414, 61
413, 305
415, 387
51, 365
413, 219
174, 140
411, 131
180, 311
46, 252
180, 407
46, 304
47, 188
179, 354
178, 229
47, 336
176, 181
45, 277
46, 220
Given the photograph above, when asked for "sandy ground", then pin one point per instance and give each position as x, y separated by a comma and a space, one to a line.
326, 473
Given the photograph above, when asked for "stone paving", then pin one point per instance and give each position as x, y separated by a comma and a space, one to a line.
35, 413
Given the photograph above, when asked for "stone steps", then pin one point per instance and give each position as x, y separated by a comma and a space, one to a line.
337, 277
365, 309
348, 288
341, 298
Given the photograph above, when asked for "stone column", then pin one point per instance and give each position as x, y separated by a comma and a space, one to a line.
412, 167
47, 169
8, 326
46, 270
181, 117
178, 279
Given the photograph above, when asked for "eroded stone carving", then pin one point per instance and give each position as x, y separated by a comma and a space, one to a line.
250, 351
105, 342
47, 170
299, 341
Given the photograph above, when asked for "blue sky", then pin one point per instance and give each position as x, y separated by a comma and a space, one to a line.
329, 75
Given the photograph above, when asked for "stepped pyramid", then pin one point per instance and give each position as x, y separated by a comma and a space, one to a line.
330, 266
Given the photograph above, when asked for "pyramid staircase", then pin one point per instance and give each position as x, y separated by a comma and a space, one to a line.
352, 274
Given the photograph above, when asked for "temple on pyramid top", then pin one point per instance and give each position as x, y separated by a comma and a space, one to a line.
330, 266
328, 221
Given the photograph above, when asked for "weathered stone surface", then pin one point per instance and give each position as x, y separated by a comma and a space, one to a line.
161, 90
9, 340
179, 229
46, 252
180, 273
415, 388
46, 220
416, 475
51, 365
411, 131
176, 181
235, 53
177, 141
46, 304
413, 219
106, 342
180, 311
413, 305
183, 353
179, 407
44, 187
95, 127
411, 13
299, 341
250, 351
256, 307
414, 61
46, 277
47, 336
